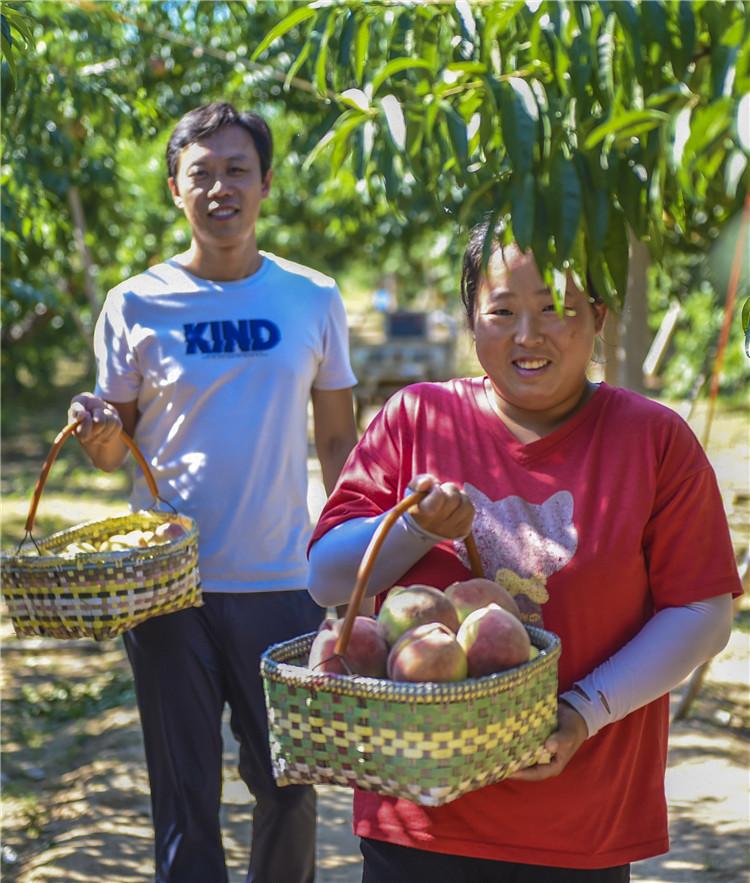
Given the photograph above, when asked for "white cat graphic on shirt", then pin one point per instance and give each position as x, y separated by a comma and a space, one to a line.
522, 544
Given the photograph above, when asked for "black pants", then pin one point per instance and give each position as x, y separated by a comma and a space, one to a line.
387, 863
187, 665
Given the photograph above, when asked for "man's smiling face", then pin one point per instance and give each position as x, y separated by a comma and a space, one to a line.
220, 187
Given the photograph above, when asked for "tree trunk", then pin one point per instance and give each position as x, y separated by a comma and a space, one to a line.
610, 348
635, 333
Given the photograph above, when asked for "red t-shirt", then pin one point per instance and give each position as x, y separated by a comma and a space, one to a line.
613, 516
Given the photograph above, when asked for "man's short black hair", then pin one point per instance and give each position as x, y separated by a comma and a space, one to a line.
209, 118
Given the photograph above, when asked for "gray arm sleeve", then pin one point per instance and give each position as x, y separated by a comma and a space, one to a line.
664, 652
336, 556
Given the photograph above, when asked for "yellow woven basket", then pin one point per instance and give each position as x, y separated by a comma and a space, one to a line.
98, 594
427, 742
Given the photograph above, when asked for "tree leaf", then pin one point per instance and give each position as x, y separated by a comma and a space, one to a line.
457, 133
522, 209
361, 45
626, 125
394, 116
605, 50
616, 252
595, 204
283, 27
395, 67
743, 122
520, 117
355, 98
566, 199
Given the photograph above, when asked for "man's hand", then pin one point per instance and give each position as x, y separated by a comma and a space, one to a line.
446, 510
99, 421
571, 733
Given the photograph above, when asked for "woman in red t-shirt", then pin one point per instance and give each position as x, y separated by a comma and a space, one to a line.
601, 513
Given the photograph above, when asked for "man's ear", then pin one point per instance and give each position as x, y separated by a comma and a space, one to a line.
266, 187
176, 198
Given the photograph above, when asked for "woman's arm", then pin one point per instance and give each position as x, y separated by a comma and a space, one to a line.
669, 646
444, 513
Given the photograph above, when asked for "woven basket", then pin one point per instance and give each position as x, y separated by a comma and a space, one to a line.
99, 594
427, 742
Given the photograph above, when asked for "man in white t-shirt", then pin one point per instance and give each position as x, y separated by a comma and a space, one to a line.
209, 360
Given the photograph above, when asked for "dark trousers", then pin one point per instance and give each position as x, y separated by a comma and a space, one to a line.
187, 665
388, 863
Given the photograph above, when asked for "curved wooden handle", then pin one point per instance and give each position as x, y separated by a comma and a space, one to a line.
368, 562
60, 439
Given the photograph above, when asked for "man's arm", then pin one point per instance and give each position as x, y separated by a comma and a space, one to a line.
99, 430
335, 432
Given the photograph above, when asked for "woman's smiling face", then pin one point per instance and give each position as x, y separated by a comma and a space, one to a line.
535, 358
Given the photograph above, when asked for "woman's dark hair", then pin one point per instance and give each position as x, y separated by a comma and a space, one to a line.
474, 267
204, 121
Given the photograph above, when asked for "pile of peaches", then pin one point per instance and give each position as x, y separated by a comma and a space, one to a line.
165, 532
471, 629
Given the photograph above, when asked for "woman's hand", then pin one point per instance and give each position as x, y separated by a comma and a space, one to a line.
99, 421
445, 511
570, 734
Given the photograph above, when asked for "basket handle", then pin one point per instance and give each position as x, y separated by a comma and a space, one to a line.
368, 562
60, 439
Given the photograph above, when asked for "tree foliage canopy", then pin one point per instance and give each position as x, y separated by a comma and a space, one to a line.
397, 125
566, 121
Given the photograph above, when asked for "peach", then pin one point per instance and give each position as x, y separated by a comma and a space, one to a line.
428, 652
471, 594
408, 606
366, 653
493, 640
168, 531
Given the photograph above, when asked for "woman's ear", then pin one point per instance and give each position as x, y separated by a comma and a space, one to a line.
600, 314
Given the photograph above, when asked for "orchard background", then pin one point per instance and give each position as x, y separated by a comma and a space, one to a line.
612, 138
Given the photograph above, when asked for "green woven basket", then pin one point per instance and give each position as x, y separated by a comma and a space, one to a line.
98, 594
427, 742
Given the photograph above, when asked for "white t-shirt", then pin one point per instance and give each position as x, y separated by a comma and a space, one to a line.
222, 373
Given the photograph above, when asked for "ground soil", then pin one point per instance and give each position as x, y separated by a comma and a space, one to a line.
75, 793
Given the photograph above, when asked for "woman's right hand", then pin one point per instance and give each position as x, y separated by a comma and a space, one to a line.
446, 510
99, 421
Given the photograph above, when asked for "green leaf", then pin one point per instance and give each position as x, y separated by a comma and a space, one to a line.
522, 209
627, 13
566, 199
394, 117
605, 50
457, 133
595, 204
297, 64
283, 27
616, 252
654, 18
520, 117
743, 122
722, 69
626, 125
540, 244
321, 79
746, 325
395, 67
581, 62
683, 45
361, 45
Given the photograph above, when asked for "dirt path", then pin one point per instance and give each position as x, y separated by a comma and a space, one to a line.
76, 804
75, 794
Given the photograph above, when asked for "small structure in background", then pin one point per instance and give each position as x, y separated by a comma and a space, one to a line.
396, 348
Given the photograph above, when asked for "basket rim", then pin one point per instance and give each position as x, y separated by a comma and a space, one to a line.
85, 559
405, 691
